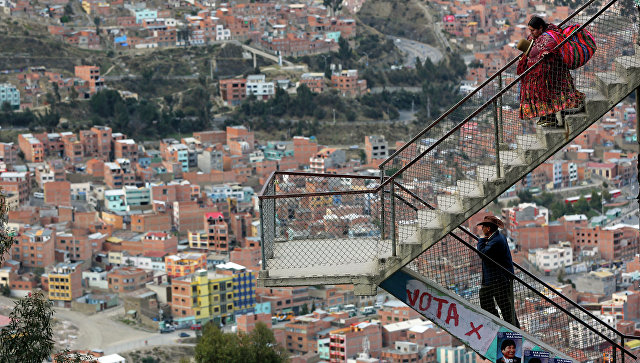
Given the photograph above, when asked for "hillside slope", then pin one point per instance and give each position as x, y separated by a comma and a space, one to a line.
401, 18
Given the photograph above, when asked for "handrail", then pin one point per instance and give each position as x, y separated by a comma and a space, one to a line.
476, 90
474, 113
304, 173
473, 248
493, 99
529, 274
469, 233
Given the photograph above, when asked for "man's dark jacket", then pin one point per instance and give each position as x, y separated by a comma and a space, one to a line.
496, 248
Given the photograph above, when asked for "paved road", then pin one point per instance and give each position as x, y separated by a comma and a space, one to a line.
413, 49
100, 331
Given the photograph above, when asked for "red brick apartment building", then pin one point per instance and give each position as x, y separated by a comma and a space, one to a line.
126, 279
347, 83
125, 149
211, 137
31, 147
150, 222
34, 247
104, 140
347, 342
90, 74
217, 232
57, 193
609, 240
284, 298
16, 182
304, 148
247, 322
160, 242
314, 81
79, 243
393, 312
301, 333
233, 91
8, 153
73, 148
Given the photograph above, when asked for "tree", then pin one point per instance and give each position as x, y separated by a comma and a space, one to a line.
582, 206
304, 310
6, 107
96, 21
525, 196
29, 336
264, 347
344, 52
259, 346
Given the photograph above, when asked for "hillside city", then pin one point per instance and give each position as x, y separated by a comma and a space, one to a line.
140, 235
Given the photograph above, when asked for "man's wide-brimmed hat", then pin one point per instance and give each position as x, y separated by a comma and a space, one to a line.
492, 220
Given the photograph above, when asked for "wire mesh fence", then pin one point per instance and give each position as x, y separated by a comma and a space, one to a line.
502, 127
537, 308
313, 220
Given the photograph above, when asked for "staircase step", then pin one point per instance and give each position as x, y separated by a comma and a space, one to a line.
595, 102
408, 232
470, 188
429, 219
531, 142
450, 203
575, 121
486, 173
552, 136
627, 66
611, 84
511, 157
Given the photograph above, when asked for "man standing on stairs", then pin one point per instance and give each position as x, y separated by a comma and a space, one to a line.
497, 285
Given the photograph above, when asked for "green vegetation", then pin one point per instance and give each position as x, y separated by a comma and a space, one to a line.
258, 346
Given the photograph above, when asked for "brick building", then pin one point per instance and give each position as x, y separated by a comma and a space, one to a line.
126, 279
57, 193
34, 247
233, 91
217, 232
183, 264
347, 342
31, 147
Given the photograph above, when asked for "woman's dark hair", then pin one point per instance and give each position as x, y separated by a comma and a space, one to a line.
507, 343
537, 22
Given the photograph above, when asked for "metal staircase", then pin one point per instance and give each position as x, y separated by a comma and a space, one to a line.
401, 231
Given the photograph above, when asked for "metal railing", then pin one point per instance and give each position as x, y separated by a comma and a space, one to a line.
317, 224
454, 262
484, 136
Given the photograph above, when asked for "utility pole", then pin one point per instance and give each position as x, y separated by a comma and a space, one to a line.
334, 115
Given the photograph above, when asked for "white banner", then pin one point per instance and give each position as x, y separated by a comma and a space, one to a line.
471, 327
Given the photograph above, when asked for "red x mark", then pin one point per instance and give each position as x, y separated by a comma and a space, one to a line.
474, 330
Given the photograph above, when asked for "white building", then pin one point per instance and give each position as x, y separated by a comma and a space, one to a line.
80, 191
96, 279
10, 94
552, 258
145, 262
222, 33
258, 86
